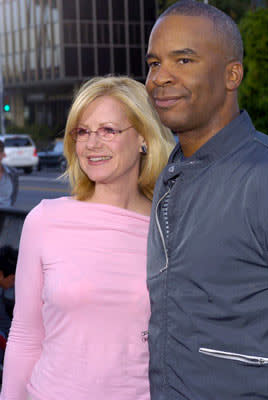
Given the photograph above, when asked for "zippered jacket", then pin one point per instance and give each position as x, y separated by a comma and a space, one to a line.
208, 270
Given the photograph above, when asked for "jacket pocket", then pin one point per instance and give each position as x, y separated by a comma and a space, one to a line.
244, 358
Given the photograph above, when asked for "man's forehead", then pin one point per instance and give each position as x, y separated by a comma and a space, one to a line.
180, 31
184, 23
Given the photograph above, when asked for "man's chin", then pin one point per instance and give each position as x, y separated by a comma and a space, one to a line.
175, 124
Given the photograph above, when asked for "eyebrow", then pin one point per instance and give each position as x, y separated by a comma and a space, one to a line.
182, 52
101, 124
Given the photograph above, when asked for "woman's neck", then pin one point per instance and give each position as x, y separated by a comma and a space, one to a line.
132, 200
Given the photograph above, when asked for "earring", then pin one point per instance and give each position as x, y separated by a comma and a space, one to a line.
143, 149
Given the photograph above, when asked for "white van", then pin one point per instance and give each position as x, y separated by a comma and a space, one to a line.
20, 151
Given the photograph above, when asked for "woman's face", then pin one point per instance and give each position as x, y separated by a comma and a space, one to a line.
109, 162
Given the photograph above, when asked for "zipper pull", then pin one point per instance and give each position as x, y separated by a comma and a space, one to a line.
144, 336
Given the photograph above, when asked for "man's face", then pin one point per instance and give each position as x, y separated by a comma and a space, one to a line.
186, 78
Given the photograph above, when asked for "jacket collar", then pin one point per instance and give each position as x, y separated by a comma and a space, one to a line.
227, 140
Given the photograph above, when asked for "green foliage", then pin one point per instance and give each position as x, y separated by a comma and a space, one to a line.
253, 94
41, 134
235, 8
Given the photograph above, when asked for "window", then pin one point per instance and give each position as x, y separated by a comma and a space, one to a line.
69, 10
149, 10
119, 33
120, 63
69, 32
17, 142
134, 34
85, 9
147, 31
86, 33
103, 33
71, 64
104, 60
134, 10
87, 54
135, 61
118, 7
102, 9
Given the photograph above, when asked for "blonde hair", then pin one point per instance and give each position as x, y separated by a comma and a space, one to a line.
142, 116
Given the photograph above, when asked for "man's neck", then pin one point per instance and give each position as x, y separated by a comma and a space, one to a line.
191, 141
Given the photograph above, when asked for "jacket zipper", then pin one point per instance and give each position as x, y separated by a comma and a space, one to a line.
254, 360
160, 230
144, 336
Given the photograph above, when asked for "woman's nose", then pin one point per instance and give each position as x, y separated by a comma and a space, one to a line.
93, 139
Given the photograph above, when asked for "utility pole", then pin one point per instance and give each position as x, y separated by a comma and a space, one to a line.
2, 118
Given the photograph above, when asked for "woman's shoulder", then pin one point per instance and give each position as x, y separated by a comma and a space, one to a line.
68, 208
46, 208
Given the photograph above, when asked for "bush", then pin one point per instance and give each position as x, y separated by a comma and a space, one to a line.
253, 94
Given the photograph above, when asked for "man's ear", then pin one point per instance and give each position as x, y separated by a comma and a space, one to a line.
234, 75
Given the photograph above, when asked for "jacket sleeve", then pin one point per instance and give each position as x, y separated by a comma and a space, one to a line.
15, 186
27, 331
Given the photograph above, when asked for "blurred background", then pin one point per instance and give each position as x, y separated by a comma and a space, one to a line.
49, 47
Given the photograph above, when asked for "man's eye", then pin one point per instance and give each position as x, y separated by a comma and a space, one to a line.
184, 61
153, 64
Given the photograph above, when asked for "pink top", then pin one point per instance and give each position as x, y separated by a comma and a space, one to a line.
81, 305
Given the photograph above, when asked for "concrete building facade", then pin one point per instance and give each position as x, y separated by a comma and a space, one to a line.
48, 47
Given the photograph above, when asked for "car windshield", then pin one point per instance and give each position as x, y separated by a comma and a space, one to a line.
58, 147
17, 142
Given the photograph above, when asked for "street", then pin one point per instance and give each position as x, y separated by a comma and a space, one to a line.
39, 185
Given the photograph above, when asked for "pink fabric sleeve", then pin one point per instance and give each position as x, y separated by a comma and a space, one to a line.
27, 330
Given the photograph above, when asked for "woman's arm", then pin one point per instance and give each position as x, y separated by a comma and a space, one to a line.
27, 331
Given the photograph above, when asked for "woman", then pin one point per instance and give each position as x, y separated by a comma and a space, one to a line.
82, 309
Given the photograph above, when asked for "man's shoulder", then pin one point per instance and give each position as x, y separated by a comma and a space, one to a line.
260, 148
261, 138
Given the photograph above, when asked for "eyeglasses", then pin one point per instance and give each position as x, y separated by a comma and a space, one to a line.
104, 133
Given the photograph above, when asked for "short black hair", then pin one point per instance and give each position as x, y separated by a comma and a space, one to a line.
224, 25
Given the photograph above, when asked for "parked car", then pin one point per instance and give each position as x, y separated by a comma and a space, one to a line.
52, 157
20, 151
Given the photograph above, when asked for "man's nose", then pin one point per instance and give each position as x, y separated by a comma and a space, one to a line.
162, 77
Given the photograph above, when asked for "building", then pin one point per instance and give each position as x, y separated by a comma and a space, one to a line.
48, 47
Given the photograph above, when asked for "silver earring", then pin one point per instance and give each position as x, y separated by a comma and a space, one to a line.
143, 149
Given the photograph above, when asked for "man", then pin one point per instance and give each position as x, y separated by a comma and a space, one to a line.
8, 181
208, 239
8, 259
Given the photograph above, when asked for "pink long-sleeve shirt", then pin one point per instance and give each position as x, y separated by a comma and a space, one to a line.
81, 305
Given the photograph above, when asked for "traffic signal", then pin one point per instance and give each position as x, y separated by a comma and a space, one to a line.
6, 107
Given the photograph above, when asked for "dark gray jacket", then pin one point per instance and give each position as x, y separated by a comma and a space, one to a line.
208, 280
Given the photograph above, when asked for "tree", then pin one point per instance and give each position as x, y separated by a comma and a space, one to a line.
235, 8
253, 94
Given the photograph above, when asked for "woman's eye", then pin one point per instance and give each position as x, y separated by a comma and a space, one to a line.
108, 130
81, 132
